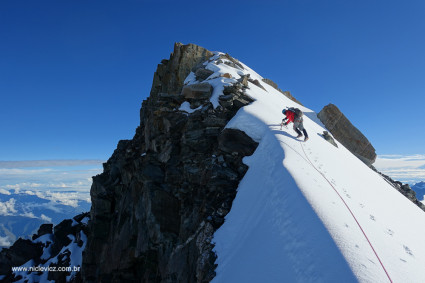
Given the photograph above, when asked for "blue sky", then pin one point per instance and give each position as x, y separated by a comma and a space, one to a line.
73, 74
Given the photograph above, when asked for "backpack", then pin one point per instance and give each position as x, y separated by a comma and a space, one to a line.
298, 112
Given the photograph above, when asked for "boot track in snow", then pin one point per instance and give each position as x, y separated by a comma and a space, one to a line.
346, 205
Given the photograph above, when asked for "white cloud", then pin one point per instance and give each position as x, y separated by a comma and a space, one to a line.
66, 185
18, 171
4, 192
70, 199
65, 198
29, 214
408, 169
48, 163
8, 207
45, 218
5, 242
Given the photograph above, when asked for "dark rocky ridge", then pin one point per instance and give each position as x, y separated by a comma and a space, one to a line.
24, 250
347, 134
163, 194
404, 189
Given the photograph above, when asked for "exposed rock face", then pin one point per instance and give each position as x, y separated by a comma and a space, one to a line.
347, 134
201, 91
164, 193
202, 74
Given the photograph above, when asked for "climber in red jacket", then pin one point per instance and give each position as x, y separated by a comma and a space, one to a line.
294, 115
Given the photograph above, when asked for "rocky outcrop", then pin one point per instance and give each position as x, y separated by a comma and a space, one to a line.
19, 253
404, 189
329, 138
347, 134
164, 193
50, 248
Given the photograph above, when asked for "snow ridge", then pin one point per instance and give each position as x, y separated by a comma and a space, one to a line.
351, 212
309, 212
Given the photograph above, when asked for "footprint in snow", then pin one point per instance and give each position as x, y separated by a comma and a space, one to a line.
347, 195
407, 250
346, 225
390, 232
403, 260
372, 217
362, 205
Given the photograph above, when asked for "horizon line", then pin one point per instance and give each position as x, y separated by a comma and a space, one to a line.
49, 163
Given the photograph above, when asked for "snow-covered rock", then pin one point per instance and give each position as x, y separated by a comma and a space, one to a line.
53, 255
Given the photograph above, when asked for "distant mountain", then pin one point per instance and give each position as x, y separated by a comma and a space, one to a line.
22, 213
419, 188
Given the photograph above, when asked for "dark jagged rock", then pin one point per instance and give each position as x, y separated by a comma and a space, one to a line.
229, 60
19, 253
236, 141
43, 230
197, 92
404, 189
54, 248
164, 193
202, 74
347, 134
329, 138
257, 83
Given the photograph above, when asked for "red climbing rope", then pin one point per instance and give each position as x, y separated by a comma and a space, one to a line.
351, 212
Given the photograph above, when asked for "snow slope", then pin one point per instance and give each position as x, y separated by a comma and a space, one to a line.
310, 212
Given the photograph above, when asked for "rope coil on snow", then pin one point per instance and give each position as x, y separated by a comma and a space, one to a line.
351, 212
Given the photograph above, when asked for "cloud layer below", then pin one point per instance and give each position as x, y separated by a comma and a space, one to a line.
36, 192
407, 169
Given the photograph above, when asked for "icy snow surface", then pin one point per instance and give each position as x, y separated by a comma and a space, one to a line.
308, 211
